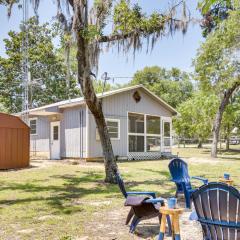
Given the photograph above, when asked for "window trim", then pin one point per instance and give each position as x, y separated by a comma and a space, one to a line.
110, 120
34, 119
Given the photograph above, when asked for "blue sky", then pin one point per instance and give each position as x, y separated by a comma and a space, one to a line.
176, 51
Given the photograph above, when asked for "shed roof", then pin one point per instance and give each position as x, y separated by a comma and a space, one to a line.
80, 101
10, 121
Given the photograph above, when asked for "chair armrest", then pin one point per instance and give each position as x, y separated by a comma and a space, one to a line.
154, 200
152, 194
176, 180
204, 180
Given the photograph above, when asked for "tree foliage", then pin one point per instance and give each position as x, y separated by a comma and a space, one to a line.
214, 12
2, 106
48, 72
217, 63
196, 116
173, 86
231, 117
217, 67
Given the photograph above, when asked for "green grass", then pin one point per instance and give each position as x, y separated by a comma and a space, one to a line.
64, 201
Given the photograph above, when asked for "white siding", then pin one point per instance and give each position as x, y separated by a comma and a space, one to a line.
117, 106
73, 133
40, 141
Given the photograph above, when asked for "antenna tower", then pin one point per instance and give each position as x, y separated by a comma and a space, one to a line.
25, 63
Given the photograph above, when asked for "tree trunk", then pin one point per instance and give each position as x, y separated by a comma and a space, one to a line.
227, 143
199, 143
84, 78
218, 119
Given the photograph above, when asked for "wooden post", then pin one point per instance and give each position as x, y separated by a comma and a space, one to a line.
176, 228
162, 227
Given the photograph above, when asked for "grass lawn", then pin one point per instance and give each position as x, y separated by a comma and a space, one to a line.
59, 200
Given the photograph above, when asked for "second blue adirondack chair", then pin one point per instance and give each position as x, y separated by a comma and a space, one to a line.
180, 176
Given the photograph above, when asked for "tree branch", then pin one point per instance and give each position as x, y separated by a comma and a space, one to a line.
122, 36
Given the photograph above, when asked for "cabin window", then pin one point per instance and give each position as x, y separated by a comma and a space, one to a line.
153, 144
144, 133
33, 126
135, 123
153, 125
55, 133
136, 143
113, 129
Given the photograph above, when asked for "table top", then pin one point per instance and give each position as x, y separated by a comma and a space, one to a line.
225, 180
172, 211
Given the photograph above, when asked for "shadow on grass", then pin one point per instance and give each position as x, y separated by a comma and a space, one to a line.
161, 173
229, 158
60, 197
147, 231
230, 151
17, 169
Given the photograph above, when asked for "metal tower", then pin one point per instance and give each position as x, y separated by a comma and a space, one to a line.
25, 63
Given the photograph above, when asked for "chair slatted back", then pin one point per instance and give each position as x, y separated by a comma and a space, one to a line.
179, 171
218, 209
121, 184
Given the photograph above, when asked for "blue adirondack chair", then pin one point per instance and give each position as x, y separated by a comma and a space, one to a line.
218, 210
179, 172
149, 208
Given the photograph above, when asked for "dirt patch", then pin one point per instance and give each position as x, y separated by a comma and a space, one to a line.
46, 217
110, 225
26, 231
43, 163
92, 203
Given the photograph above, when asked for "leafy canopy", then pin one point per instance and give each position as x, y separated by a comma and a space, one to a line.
214, 12
48, 71
217, 64
173, 86
196, 116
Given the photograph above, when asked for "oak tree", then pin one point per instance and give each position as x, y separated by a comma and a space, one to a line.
217, 67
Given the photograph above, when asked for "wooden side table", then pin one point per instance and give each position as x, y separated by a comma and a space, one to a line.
174, 214
227, 181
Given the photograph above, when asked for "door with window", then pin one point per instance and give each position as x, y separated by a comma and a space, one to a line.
55, 140
167, 141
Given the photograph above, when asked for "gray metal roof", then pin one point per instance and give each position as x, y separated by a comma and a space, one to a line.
79, 101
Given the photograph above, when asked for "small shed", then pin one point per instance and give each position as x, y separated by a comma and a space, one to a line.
14, 142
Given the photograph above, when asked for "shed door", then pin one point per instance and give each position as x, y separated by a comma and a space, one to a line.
55, 140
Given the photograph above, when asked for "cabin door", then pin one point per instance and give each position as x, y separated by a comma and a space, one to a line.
55, 140
166, 140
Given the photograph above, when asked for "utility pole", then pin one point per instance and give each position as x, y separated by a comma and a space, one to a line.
105, 78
